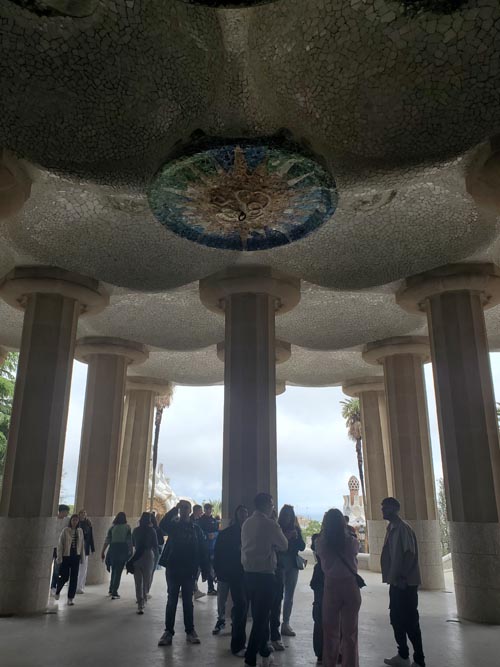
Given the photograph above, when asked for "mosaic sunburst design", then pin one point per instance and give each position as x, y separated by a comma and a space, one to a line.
243, 196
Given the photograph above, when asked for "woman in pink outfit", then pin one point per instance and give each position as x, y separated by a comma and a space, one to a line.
337, 549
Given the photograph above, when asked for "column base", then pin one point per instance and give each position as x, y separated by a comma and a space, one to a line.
376, 536
97, 573
26, 548
429, 554
475, 549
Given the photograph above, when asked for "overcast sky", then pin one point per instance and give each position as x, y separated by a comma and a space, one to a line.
315, 457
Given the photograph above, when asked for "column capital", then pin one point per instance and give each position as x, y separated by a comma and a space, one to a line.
375, 353
215, 289
15, 185
478, 278
135, 353
280, 387
143, 383
359, 386
21, 282
283, 351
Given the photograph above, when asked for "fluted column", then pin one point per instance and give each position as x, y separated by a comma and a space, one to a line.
15, 184
138, 419
378, 475
249, 297
402, 359
107, 359
453, 298
52, 299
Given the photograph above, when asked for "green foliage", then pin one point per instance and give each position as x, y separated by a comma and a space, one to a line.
443, 518
312, 528
217, 506
351, 412
8, 372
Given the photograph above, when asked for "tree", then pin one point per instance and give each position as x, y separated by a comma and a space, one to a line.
8, 371
351, 412
312, 528
217, 506
443, 518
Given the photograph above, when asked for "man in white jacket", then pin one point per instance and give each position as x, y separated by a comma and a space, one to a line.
261, 538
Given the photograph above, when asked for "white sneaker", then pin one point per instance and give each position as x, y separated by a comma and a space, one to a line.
397, 661
287, 631
240, 654
278, 645
52, 592
70, 602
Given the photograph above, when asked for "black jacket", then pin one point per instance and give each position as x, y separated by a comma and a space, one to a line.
185, 551
288, 559
88, 536
227, 556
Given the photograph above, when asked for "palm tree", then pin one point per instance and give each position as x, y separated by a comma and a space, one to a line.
161, 402
351, 412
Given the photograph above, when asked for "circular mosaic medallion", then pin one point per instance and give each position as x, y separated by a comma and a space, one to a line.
243, 196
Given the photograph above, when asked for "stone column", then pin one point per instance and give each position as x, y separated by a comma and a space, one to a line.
249, 297
15, 184
453, 298
107, 359
52, 300
135, 462
378, 482
413, 477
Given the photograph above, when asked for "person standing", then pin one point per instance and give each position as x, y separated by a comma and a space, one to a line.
88, 548
230, 576
159, 537
337, 550
119, 542
400, 569
195, 517
145, 542
184, 553
288, 571
62, 513
210, 526
69, 554
261, 538
317, 584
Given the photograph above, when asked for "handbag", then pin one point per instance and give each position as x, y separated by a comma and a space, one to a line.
359, 579
300, 562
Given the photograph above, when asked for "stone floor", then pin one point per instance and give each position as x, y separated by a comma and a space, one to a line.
99, 632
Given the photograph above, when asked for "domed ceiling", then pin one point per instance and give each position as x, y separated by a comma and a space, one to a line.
392, 105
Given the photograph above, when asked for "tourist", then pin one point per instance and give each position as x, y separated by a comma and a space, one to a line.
400, 569
230, 577
159, 537
69, 554
317, 584
145, 542
289, 564
337, 550
261, 538
88, 543
210, 526
197, 513
184, 553
196, 516
119, 542
62, 513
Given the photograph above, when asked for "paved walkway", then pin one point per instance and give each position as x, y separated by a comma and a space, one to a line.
99, 632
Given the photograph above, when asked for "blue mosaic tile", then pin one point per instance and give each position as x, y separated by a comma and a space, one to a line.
243, 196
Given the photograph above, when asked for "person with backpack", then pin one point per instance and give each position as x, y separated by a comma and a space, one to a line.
184, 553
142, 563
119, 542
210, 526
229, 571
